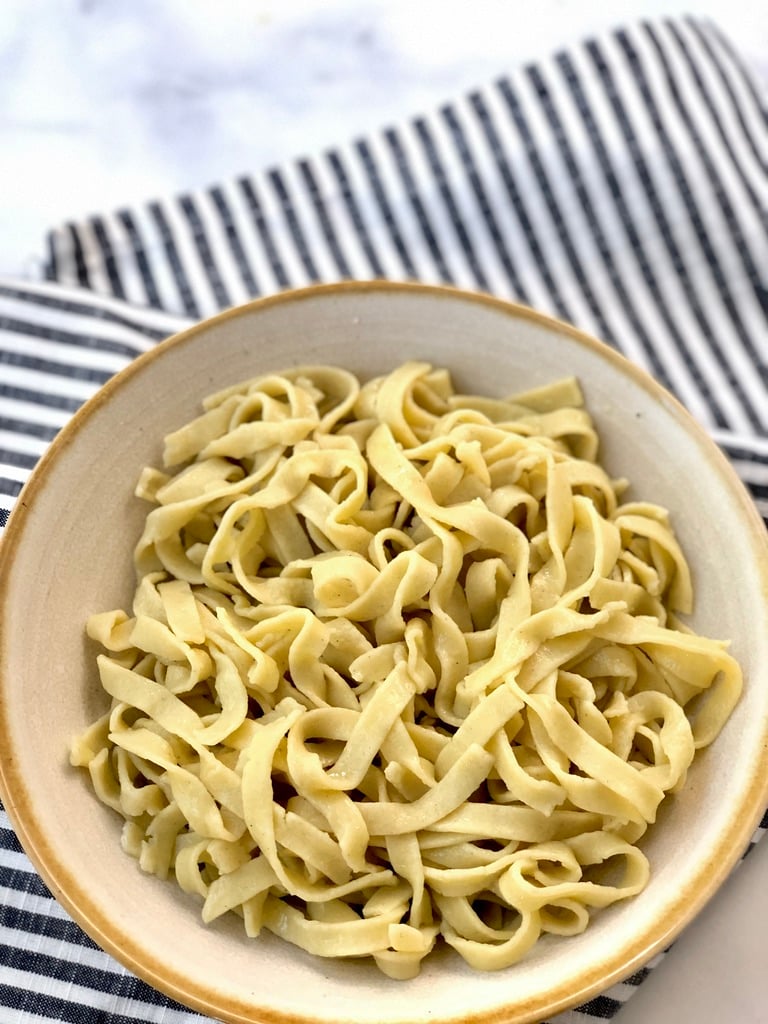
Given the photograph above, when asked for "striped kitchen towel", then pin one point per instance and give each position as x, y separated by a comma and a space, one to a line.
620, 185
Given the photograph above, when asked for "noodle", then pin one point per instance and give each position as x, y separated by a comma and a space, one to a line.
400, 665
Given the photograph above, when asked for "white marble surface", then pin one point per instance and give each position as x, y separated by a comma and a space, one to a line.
106, 103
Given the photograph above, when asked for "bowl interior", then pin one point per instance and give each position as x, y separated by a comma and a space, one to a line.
67, 553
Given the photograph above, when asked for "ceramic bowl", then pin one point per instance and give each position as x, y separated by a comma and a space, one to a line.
67, 553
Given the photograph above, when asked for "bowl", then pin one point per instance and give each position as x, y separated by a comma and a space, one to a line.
67, 552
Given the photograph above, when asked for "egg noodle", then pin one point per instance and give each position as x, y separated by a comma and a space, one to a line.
400, 665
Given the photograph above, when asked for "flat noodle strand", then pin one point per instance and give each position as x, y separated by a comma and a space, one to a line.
402, 667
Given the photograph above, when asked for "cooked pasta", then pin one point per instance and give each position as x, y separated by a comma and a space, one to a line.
402, 666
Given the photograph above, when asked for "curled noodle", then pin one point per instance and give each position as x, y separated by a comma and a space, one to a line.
401, 667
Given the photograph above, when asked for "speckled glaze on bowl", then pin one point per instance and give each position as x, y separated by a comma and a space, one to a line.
67, 552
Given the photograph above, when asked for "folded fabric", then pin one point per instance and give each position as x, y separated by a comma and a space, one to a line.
620, 185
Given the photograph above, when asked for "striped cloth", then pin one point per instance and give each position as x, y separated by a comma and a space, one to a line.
620, 185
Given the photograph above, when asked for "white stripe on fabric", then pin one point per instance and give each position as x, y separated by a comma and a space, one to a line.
345, 231
448, 249
539, 215
254, 250
517, 230
34, 414
50, 383
724, 96
61, 244
307, 222
752, 112
93, 999
71, 357
221, 251
95, 263
688, 291
15, 860
353, 216
10, 440
758, 445
575, 230
369, 212
600, 252
452, 200
226, 238
732, 145
713, 221
394, 192
75, 302
135, 292
190, 258
44, 906
281, 237
657, 274
629, 259
475, 223
156, 265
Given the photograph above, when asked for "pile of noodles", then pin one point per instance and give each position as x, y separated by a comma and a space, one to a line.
400, 665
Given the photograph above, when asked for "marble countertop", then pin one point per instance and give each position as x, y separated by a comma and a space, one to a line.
104, 104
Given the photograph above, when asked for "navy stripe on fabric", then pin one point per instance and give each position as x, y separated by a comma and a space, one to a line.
595, 225
36, 397
199, 237
384, 205
264, 232
38, 430
638, 977
737, 450
727, 84
64, 337
51, 266
126, 986
469, 165
758, 490
601, 1007
759, 208
233, 238
729, 214
53, 367
10, 487
79, 256
25, 881
503, 165
417, 205
553, 207
19, 460
292, 222
741, 70
595, 133
63, 303
651, 192
108, 256
5, 515
429, 146
62, 929
174, 261
349, 199
48, 1007
637, 68
331, 240
142, 263
8, 839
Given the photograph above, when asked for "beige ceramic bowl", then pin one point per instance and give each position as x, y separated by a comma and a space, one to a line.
67, 552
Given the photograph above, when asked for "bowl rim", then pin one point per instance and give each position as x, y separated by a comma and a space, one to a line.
196, 993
